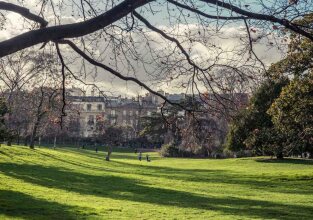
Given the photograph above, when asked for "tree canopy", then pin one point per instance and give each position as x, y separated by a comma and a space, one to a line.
253, 120
292, 114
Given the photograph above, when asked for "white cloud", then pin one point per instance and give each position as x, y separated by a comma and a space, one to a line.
203, 50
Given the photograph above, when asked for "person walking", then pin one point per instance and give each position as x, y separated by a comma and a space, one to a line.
148, 158
140, 156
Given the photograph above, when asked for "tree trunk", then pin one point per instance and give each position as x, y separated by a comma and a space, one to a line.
33, 136
26, 141
311, 155
18, 139
55, 142
107, 158
280, 156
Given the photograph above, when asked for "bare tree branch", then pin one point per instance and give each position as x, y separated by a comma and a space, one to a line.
119, 75
196, 11
289, 25
63, 83
79, 29
23, 12
120, 11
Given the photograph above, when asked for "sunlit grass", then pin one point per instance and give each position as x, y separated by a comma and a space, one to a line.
69, 183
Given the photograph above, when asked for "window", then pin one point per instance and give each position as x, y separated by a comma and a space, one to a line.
124, 112
88, 107
91, 120
131, 122
130, 113
148, 113
113, 112
113, 121
99, 107
137, 112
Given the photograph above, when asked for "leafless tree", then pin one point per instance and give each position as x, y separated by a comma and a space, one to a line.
158, 38
43, 103
20, 73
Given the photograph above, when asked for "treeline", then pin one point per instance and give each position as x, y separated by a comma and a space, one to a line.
279, 119
32, 116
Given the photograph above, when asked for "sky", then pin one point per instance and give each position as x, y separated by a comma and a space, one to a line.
230, 38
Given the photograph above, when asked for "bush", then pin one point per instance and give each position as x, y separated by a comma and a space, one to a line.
168, 150
228, 153
244, 153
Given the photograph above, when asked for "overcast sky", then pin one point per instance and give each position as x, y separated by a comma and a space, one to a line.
232, 39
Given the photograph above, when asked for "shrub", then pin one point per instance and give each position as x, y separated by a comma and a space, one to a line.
228, 153
244, 153
168, 150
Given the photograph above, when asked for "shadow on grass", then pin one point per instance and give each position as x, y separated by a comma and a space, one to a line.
292, 185
287, 161
5, 154
81, 164
17, 204
121, 188
116, 154
98, 157
301, 184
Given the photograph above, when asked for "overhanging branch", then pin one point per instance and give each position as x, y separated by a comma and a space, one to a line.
23, 12
256, 16
196, 11
116, 13
79, 29
119, 75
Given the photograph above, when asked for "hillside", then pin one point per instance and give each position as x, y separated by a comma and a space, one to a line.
69, 183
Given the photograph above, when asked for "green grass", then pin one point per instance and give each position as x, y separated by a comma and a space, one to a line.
79, 184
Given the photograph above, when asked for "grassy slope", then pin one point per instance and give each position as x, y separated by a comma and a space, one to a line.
70, 184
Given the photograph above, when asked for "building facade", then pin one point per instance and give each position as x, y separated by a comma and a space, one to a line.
127, 112
113, 111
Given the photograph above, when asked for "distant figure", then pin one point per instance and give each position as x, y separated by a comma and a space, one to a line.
135, 150
140, 156
96, 150
148, 158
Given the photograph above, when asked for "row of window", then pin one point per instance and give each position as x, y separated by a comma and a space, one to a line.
130, 113
113, 112
99, 107
131, 122
91, 121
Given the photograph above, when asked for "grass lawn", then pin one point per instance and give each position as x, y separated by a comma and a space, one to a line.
69, 183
